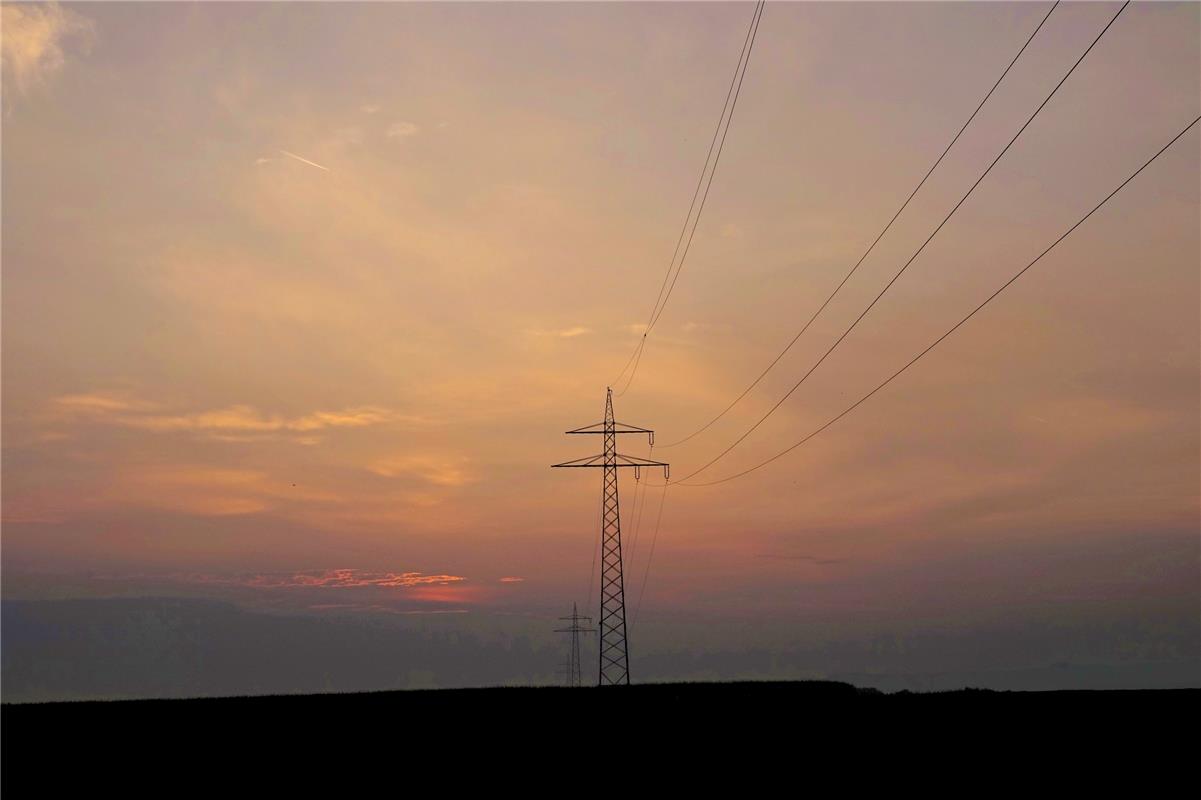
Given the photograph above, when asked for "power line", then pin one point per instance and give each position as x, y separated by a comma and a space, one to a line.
695, 193
575, 629
744, 58
871, 247
600, 529
740, 68
640, 506
614, 643
646, 573
717, 158
900, 272
957, 325
637, 357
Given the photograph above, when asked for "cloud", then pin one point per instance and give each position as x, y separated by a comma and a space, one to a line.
32, 42
348, 579
98, 403
565, 333
350, 135
210, 491
370, 108
401, 130
439, 471
809, 559
39, 508
378, 608
232, 423
200, 491
512, 579
1076, 421
323, 579
704, 327
303, 160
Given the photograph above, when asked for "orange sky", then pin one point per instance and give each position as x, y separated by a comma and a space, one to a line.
300, 288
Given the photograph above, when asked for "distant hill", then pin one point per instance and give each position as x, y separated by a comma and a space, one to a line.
163, 647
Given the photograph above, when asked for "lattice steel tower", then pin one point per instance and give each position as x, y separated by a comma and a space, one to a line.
574, 677
614, 650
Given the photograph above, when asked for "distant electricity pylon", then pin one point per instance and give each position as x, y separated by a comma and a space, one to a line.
614, 652
565, 670
573, 660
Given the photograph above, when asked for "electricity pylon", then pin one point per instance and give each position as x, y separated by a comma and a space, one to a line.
614, 651
565, 670
573, 661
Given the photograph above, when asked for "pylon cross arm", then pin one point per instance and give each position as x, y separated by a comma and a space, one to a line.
590, 461
613, 645
623, 460
618, 427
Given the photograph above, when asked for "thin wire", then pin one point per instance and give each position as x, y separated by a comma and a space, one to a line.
900, 272
957, 325
635, 518
641, 508
600, 529
637, 361
627, 545
646, 574
657, 311
721, 145
862, 258
695, 193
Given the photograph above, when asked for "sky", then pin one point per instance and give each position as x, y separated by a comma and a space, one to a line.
299, 299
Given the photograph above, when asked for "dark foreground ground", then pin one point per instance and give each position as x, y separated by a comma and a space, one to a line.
129, 744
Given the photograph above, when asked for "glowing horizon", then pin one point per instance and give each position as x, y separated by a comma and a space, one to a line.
312, 291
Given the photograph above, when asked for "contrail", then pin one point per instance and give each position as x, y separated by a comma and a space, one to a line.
305, 160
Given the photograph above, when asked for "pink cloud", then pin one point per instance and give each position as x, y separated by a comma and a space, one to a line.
329, 579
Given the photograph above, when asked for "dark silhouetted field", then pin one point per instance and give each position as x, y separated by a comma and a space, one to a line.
130, 740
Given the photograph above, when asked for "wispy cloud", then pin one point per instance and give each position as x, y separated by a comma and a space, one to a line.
512, 579
349, 579
703, 327
322, 579
349, 135
230, 423
99, 403
371, 108
195, 490
246, 418
383, 609
33, 40
808, 559
563, 333
304, 160
402, 130
433, 469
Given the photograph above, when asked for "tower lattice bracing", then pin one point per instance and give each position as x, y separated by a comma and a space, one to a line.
614, 643
614, 653
574, 670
